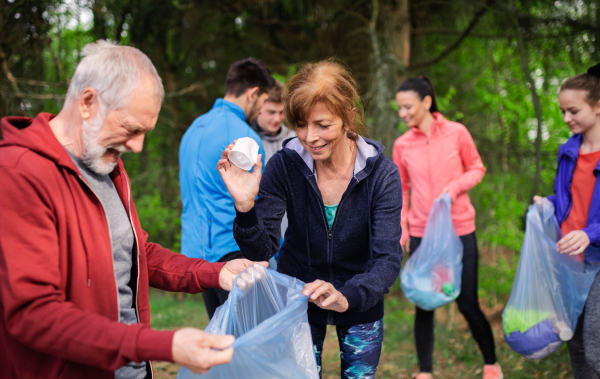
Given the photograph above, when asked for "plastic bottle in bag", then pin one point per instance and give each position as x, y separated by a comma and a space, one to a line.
431, 276
549, 291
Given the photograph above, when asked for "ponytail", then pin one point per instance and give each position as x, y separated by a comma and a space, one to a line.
423, 87
589, 82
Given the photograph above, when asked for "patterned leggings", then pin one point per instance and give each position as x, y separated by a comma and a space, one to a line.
360, 348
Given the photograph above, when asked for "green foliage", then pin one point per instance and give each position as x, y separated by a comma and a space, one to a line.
499, 199
480, 83
159, 219
173, 311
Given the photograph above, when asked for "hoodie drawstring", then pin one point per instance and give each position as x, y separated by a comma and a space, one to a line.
87, 256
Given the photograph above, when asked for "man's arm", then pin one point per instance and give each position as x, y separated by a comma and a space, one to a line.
35, 310
37, 314
173, 272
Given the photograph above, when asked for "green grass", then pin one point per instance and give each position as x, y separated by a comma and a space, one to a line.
456, 354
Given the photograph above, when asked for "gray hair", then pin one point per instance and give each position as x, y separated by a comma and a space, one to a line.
114, 71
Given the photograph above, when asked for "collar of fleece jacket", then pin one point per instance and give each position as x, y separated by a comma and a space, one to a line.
362, 166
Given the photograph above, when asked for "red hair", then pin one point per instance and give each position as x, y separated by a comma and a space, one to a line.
326, 82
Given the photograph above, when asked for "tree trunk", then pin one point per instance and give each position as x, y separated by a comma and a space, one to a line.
400, 31
99, 20
596, 54
501, 119
524, 57
390, 54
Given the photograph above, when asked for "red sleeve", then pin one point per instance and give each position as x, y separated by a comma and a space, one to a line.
397, 158
173, 272
474, 168
35, 311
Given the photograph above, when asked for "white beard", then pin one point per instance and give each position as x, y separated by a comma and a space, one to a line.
93, 152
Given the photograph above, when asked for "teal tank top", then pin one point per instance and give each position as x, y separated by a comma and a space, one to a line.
330, 211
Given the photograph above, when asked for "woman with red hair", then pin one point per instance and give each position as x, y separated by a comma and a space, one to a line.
343, 198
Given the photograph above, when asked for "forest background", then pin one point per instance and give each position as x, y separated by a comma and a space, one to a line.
496, 66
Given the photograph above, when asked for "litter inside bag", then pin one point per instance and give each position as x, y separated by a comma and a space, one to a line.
549, 291
431, 276
266, 312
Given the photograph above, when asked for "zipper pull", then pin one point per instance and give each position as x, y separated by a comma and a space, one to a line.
330, 234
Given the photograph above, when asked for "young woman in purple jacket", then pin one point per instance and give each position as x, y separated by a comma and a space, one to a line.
577, 206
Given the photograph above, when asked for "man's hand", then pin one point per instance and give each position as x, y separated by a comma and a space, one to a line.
232, 268
195, 349
573, 243
325, 296
537, 200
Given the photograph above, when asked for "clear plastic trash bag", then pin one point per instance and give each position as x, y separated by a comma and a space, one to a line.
431, 276
266, 312
549, 290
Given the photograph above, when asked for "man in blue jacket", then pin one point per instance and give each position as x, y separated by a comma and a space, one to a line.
208, 209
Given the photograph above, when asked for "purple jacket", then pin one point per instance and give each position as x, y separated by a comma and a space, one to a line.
567, 160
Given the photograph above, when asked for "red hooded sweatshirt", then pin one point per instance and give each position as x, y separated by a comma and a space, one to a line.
58, 293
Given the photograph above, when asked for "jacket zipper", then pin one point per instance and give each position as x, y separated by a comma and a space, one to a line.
431, 195
568, 210
330, 236
113, 261
210, 234
137, 245
110, 239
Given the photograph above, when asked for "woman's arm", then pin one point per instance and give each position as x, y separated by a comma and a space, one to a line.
257, 226
397, 157
363, 291
474, 168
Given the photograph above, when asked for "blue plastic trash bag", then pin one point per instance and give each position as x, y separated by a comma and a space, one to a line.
431, 276
549, 291
266, 312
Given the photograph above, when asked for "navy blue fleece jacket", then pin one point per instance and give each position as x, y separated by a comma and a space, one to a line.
360, 255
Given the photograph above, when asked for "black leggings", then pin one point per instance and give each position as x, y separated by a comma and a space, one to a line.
468, 304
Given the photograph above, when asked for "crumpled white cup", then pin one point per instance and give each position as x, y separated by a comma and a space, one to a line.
244, 153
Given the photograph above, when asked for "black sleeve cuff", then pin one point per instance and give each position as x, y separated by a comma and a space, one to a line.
247, 220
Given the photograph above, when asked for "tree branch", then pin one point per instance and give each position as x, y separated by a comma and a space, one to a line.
449, 31
9, 75
188, 89
38, 82
37, 96
457, 43
126, 10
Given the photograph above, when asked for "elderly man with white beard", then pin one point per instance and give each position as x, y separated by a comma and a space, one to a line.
75, 263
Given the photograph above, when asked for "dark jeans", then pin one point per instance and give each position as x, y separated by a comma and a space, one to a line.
215, 297
468, 304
